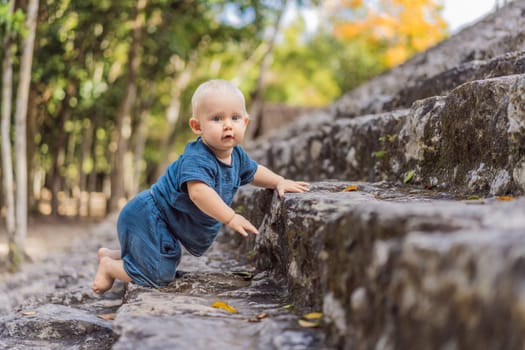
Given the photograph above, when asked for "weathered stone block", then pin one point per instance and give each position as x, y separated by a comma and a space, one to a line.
352, 254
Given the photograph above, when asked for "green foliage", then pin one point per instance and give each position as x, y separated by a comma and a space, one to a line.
314, 70
12, 22
79, 75
309, 64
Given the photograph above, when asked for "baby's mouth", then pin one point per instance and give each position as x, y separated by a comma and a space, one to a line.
228, 137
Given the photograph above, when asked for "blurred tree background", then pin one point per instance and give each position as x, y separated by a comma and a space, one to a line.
111, 81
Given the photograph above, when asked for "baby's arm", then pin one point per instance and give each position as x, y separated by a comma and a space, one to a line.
264, 177
209, 201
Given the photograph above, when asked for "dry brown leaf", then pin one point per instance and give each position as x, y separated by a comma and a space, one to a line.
262, 315
350, 188
505, 198
107, 317
258, 317
224, 306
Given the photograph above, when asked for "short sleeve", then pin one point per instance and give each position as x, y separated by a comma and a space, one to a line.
196, 168
248, 167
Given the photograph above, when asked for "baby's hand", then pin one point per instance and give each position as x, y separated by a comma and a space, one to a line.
286, 185
241, 225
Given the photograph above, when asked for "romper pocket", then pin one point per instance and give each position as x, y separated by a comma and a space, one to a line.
169, 254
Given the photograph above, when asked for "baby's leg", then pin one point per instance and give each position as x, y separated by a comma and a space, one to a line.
111, 253
109, 270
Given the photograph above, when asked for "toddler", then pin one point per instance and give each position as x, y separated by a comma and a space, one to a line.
192, 199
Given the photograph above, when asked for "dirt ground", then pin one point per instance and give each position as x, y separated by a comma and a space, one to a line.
47, 235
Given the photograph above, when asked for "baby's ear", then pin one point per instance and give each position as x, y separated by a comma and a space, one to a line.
246, 119
195, 125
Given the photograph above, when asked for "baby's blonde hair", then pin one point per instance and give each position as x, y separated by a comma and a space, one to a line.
212, 86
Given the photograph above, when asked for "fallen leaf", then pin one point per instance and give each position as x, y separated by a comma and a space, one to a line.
313, 316
107, 317
287, 306
379, 154
408, 176
262, 315
28, 313
350, 188
224, 306
505, 198
258, 318
309, 324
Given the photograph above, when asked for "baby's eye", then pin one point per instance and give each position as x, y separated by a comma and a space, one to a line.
216, 118
236, 118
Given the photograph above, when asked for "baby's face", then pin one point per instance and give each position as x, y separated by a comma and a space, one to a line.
221, 121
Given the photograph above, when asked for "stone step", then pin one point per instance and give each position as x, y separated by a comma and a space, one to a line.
441, 84
182, 316
471, 141
57, 325
389, 264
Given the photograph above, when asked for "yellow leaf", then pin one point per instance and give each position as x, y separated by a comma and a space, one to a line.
350, 188
308, 324
28, 313
222, 305
313, 316
505, 198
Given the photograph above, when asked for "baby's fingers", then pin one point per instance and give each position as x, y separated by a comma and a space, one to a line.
243, 226
302, 186
251, 228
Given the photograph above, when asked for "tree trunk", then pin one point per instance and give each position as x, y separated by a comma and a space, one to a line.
58, 152
257, 103
91, 185
124, 122
17, 248
84, 154
32, 114
180, 83
7, 161
138, 165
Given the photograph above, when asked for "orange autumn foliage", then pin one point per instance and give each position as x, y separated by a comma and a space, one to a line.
400, 28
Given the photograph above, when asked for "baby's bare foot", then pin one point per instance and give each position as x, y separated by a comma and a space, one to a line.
103, 281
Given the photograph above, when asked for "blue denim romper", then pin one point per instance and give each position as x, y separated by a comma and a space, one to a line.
154, 224
150, 252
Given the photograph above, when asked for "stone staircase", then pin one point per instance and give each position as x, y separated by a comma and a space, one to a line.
425, 248
411, 237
